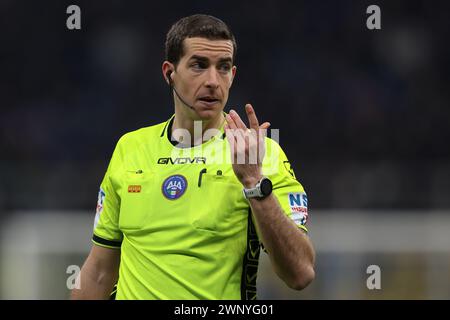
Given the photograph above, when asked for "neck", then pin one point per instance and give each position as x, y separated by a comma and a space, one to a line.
196, 128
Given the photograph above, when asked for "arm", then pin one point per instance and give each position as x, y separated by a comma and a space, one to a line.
98, 275
290, 250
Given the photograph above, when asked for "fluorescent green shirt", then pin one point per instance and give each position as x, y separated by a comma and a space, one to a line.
180, 218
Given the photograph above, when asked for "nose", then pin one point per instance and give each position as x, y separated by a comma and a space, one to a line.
212, 81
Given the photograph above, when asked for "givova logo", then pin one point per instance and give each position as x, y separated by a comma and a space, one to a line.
298, 202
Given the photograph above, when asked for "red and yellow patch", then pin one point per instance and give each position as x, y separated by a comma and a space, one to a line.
134, 188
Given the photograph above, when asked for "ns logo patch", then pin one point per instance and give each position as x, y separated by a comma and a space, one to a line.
298, 203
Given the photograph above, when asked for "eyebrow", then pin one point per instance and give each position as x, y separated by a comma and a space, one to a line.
227, 59
204, 59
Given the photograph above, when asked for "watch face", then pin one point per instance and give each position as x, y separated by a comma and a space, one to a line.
266, 187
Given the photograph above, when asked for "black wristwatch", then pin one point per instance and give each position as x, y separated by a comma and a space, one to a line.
262, 189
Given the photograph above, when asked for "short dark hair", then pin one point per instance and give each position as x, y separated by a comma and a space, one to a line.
197, 25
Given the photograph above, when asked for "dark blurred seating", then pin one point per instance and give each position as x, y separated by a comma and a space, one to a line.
363, 115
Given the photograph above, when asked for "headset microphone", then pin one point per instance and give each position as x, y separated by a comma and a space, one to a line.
172, 86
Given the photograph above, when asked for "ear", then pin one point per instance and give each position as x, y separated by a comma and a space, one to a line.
233, 73
167, 68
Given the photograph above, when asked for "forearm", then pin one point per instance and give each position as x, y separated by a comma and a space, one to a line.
289, 248
96, 280
93, 286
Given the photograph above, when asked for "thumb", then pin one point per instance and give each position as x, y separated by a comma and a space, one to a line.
265, 125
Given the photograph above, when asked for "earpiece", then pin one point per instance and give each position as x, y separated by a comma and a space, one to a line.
172, 87
168, 74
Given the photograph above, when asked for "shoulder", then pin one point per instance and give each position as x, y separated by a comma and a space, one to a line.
275, 160
274, 152
130, 145
143, 135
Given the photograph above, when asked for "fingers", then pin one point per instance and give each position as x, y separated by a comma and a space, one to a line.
232, 142
237, 120
251, 115
237, 123
247, 146
264, 126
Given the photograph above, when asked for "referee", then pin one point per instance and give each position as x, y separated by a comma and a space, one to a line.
186, 205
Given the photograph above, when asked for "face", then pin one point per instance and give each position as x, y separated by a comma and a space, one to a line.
204, 76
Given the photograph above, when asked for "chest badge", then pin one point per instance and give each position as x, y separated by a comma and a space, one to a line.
134, 189
174, 187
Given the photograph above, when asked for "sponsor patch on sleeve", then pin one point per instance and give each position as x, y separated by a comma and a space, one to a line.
99, 209
298, 203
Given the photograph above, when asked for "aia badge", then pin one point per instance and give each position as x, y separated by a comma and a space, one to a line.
99, 209
174, 187
298, 202
100, 200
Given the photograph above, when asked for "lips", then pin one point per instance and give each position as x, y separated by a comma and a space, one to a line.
208, 99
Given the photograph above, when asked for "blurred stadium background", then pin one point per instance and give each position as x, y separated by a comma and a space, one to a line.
364, 117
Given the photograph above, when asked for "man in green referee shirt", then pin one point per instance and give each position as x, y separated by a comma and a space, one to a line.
186, 205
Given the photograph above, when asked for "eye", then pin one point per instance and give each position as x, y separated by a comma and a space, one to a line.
225, 67
198, 65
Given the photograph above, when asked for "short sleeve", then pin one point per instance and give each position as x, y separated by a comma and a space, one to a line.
106, 231
286, 188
